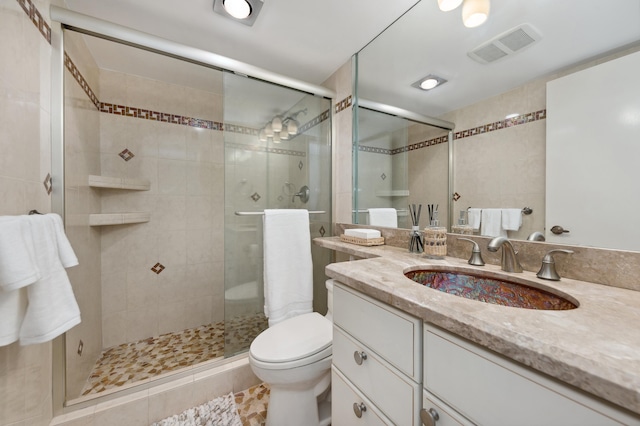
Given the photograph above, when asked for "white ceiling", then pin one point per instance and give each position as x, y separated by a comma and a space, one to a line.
303, 39
309, 40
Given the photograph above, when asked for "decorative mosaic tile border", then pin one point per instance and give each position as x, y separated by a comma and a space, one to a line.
343, 104
503, 124
36, 17
145, 114
261, 148
486, 128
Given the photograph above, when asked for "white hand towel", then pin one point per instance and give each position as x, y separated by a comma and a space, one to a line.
288, 269
473, 216
511, 219
13, 305
387, 217
65, 251
491, 223
17, 260
52, 308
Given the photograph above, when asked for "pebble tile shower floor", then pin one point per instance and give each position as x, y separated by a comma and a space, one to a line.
132, 362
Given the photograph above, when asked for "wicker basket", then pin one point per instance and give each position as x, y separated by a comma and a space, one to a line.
435, 241
362, 241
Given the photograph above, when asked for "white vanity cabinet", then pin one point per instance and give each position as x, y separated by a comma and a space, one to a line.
465, 381
377, 363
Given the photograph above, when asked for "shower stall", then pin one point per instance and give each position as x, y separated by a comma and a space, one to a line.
168, 165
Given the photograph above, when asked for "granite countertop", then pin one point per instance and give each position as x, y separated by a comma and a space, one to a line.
595, 347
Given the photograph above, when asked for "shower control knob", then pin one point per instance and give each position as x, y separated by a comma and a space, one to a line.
359, 357
429, 418
558, 230
358, 409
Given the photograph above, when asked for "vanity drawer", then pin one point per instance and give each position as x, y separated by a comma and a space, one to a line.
446, 416
394, 335
489, 389
343, 396
397, 396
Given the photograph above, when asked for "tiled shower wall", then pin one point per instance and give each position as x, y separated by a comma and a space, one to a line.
185, 236
25, 55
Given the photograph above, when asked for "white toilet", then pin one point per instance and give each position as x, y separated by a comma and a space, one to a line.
294, 358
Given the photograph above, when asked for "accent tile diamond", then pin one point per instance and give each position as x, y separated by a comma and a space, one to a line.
456, 196
300, 165
322, 231
157, 268
255, 197
383, 176
126, 155
48, 184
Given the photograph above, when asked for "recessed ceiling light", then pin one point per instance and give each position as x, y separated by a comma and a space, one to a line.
243, 11
239, 9
429, 82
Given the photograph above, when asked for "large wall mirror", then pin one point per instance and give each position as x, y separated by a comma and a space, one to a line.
499, 104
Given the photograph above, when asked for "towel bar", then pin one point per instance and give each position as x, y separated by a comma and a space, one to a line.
525, 210
262, 213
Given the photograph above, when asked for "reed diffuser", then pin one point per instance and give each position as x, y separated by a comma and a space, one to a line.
415, 243
435, 236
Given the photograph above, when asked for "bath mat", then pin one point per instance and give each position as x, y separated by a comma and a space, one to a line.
221, 411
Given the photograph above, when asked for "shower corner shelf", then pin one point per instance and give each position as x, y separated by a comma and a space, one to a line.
393, 193
119, 183
104, 219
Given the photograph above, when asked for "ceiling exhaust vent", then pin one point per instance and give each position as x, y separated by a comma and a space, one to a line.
507, 43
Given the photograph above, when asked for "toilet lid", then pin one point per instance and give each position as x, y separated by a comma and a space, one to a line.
292, 339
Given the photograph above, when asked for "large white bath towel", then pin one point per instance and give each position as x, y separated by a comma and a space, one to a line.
387, 217
52, 308
511, 219
491, 223
288, 270
13, 305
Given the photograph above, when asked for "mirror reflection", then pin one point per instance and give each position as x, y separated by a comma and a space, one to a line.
400, 162
500, 156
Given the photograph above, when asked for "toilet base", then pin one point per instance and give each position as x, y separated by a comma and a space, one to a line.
295, 407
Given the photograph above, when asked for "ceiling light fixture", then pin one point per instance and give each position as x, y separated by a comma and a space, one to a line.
243, 11
475, 12
280, 129
447, 5
429, 82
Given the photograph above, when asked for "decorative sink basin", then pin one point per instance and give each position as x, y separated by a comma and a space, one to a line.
490, 290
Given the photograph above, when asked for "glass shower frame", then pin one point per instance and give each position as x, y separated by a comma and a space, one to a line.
69, 20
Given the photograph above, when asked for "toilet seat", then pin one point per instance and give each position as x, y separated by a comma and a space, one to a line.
295, 342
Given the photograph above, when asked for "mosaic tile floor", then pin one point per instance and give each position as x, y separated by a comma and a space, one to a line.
133, 362
252, 405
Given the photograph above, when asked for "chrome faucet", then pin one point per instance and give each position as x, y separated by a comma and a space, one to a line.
510, 261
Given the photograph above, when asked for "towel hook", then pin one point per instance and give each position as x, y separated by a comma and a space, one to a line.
34, 211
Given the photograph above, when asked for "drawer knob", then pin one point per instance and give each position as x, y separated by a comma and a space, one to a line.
358, 409
429, 418
359, 357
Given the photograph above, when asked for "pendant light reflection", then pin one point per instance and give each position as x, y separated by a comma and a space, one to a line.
281, 129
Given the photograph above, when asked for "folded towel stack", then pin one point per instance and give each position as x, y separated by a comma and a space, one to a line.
36, 299
366, 234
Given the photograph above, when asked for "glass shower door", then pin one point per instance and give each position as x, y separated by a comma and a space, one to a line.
277, 141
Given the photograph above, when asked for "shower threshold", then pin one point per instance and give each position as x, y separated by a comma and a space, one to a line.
128, 363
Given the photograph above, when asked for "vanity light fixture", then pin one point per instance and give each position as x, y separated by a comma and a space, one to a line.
243, 11
510, 116
447, 5
429, 82
281, 129
475, 12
